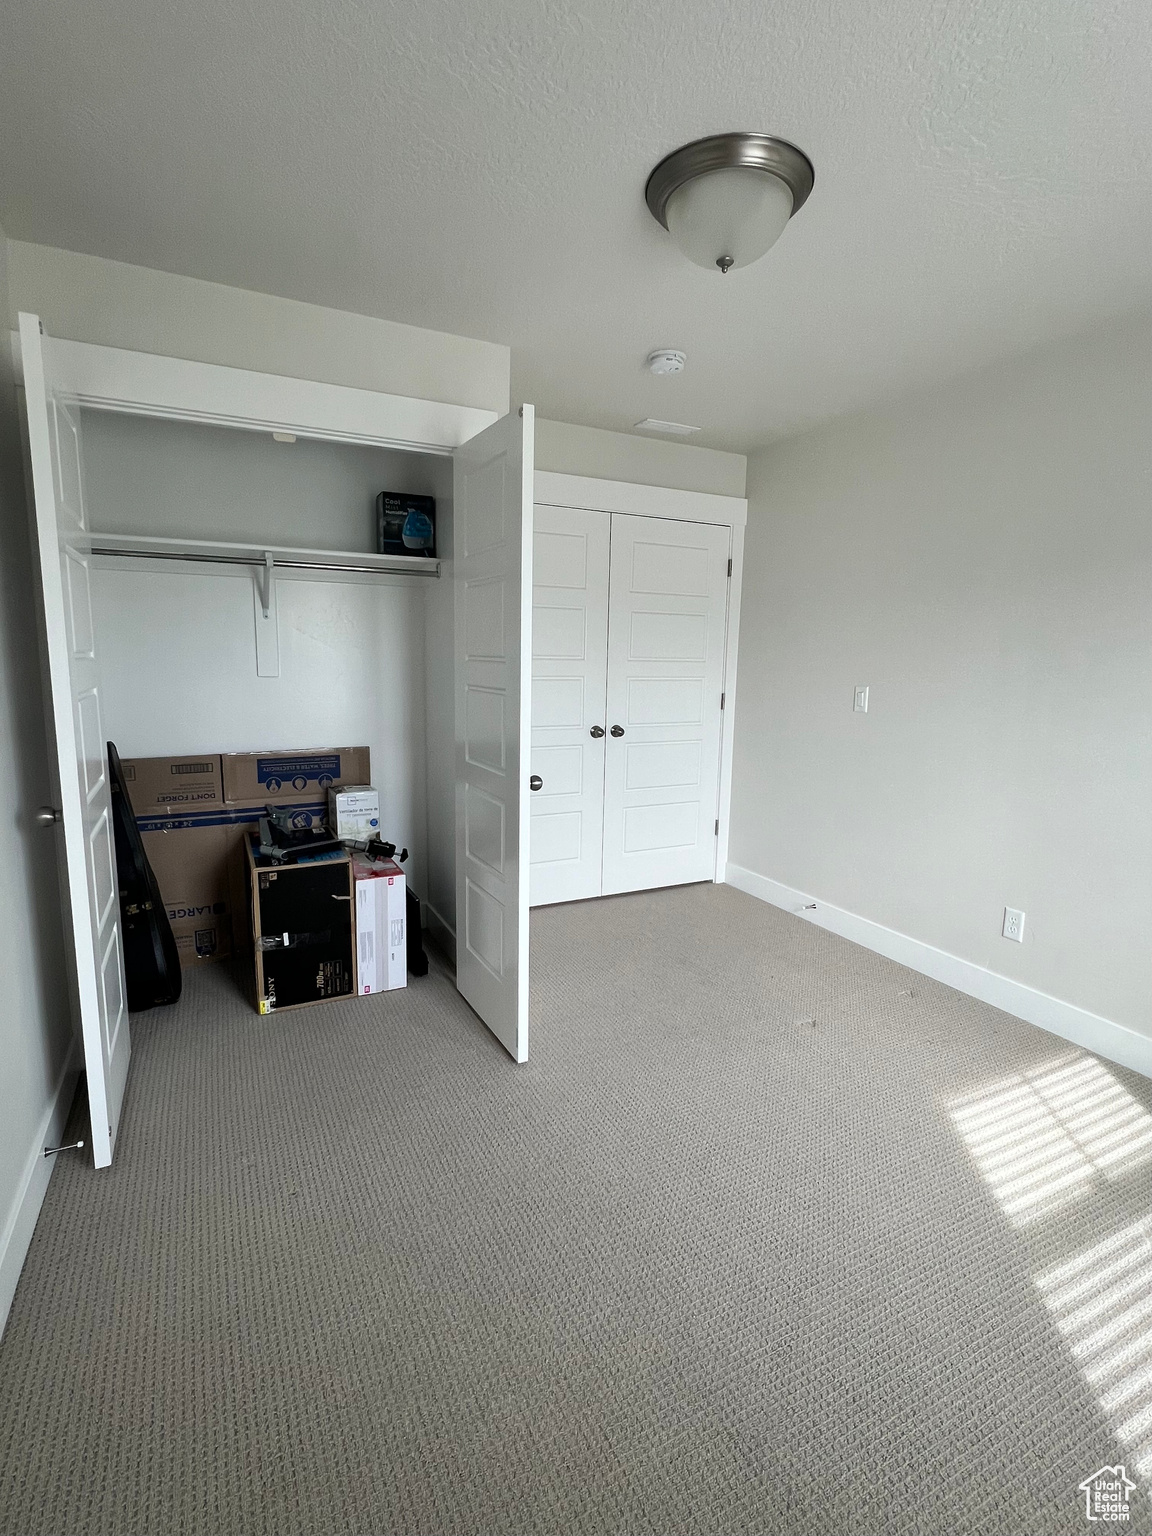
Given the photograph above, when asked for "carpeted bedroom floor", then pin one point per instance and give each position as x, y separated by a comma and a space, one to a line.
770, 1235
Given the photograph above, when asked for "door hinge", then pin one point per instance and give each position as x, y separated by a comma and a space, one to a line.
716, 832
723, 696
729, 568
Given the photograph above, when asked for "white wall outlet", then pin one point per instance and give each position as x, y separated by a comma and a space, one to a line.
1013, 925
860, 701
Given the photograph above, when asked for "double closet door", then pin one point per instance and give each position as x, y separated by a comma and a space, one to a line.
629, 618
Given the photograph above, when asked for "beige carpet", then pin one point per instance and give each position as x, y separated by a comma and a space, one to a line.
769, 1236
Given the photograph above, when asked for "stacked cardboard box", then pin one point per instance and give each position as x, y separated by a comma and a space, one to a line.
193, 813
381, 924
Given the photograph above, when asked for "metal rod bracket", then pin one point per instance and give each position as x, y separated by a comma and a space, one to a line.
266, 583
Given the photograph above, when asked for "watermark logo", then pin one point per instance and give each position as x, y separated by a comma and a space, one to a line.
1108, 1494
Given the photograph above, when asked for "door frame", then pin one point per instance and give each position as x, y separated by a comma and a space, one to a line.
585, 493
180, 389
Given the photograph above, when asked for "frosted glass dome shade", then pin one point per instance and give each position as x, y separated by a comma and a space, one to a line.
728, 218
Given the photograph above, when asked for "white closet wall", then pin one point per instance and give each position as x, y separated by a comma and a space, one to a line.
147, 475
177, 649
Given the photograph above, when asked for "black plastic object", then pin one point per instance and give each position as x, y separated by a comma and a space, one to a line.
294, 845
151, 960
304, 932
417, 959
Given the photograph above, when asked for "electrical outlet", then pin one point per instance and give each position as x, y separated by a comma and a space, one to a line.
1013, 925
860, 701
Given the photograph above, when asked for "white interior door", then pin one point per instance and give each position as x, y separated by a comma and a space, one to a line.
492, 570
569, 679
88, 876
666, 633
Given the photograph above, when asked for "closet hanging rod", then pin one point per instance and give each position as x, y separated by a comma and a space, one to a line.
432, 568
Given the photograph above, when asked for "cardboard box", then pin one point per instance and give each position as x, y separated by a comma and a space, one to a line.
155, 783
381, 924
354, 812
303, 923
262, 778
195, 843
191, 868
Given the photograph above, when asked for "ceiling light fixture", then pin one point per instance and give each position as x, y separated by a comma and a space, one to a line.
725, 200
665, 360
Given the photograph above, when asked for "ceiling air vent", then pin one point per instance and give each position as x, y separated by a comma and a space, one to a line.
676, 428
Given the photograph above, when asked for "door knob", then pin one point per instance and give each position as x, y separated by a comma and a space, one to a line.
48, 816
597, 731
617, 730
535, 782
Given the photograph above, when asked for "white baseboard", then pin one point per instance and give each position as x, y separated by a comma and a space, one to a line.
20, 1218
441, 932
1103, 1036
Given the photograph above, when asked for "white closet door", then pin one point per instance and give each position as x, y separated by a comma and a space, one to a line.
88, 866
569, 675
492, 569
667, 620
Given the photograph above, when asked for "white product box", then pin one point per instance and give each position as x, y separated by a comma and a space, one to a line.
381, 924
354, 812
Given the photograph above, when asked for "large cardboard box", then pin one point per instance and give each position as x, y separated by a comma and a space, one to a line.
302, 917
155, 783
262, 778
194, 837
191, 867
381, 924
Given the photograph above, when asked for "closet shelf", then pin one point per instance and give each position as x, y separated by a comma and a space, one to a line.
262, 556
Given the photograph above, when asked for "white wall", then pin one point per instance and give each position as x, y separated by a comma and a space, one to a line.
182, 478
981, 558
176, 646
571, 450
86, 298
35, 1023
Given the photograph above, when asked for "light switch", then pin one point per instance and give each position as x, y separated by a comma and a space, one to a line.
860, 701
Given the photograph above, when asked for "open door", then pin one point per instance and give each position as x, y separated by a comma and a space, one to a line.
85, 845
492, 539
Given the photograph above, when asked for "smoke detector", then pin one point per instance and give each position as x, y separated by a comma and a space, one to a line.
665, 360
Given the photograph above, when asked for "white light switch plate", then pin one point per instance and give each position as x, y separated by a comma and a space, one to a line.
860, 701
1013, 925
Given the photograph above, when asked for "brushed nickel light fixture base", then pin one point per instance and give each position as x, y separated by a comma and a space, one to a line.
732, 206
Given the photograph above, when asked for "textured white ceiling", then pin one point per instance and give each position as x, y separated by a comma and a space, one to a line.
982, 177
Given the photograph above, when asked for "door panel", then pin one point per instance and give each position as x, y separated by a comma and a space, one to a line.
492, 531
668, 607
569, 668
88, 878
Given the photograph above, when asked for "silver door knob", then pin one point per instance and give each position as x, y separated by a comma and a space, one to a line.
617, 730
535, 782
48, 816
597, 731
